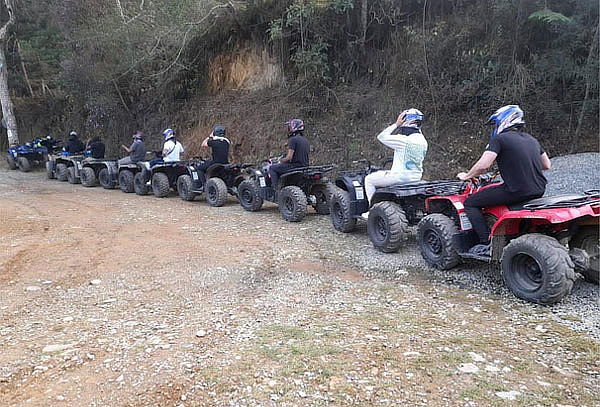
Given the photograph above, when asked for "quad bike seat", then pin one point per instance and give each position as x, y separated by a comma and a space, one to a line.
558, 201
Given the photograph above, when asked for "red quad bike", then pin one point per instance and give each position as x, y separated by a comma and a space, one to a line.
539, 243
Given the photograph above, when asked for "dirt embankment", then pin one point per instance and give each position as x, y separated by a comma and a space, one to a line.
111, 299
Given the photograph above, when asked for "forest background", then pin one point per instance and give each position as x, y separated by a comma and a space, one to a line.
347, 67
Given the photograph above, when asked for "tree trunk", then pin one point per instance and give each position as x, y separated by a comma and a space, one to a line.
364, 13
7, 107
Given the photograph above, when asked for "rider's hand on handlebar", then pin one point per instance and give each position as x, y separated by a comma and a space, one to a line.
462, 176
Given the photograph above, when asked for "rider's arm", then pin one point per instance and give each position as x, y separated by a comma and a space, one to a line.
481, 166
166, 149
205, 142
392, 140
288, 157
546, 164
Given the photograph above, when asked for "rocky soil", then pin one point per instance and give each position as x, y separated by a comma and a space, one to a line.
111, 299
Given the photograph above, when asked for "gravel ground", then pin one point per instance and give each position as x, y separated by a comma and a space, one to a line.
110, 299
574, 173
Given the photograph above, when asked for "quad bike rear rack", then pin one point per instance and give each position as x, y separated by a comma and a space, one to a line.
591, 196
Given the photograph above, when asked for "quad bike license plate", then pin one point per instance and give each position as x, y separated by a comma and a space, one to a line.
465, 223
78, 165
360, 194
262, 182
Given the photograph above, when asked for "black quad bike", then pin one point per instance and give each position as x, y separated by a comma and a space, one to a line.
160, 178
98, 171
135, 177
297, 189
222, 179
392, 210
65, 167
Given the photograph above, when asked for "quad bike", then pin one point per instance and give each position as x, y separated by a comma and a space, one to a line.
539, 244
133, 177
391, 211
65, 167
98, 171
31, 154
160, 178
297, 189
222, 179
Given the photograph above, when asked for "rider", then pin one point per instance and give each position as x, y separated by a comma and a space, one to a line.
521, 161
297, 154
219, 145
172, 148
96, 147
410, 147
74, 145
137, 150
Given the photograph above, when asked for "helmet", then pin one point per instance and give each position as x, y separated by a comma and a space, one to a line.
412, 118
168, 134
72, 134
138, 135
294, 126
506, 117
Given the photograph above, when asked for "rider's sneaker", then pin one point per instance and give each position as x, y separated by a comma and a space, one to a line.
365, 215
481, 250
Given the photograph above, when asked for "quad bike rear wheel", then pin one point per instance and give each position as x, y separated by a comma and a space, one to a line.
292, 203
185, 188
61, 172
322, 193
434, 236
341, 217
88, 177
387, 226
140, 185
71, 177
10, 160
160, 185
23, 164
216, 192
104, 178
126, 181
50, 170
588, 239
537, 268
248, 195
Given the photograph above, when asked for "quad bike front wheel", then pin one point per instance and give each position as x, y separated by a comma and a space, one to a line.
105, 179
61, 172
185, 188
50, 170
387, 226
322, 193
588, 239
160, 185
341, 216
23, 164
537, 268
216, 192
10, 160
140, 185
126, 181
434, 237
292, 203
248, 195
71, 177
88, 177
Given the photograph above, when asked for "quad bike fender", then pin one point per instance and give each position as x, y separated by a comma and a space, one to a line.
355, 186
214, 170
510, 222
451, 203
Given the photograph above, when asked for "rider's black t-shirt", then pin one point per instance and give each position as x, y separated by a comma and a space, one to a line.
301, 148
97, 149
220, 150
520, 162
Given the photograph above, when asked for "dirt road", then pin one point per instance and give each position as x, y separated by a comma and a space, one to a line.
111, 299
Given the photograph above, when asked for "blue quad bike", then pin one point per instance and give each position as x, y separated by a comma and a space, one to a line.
65, 167
297, 190
391, 210
221, 180
31, 154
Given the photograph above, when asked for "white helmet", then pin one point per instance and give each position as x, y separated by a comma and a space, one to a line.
412, 118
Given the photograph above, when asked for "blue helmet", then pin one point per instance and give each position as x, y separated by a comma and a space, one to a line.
412, 118
506, 117
168, 134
